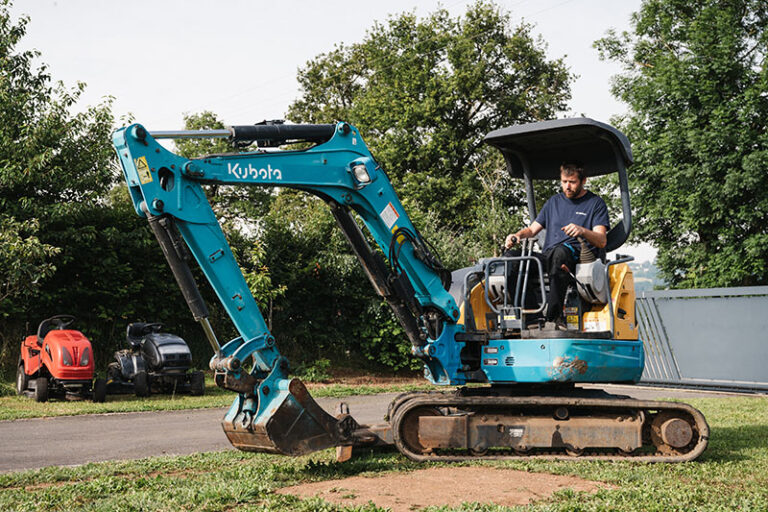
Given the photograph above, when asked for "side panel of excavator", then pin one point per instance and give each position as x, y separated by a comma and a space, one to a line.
617, 359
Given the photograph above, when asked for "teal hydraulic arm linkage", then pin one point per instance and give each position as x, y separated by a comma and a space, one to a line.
272, 412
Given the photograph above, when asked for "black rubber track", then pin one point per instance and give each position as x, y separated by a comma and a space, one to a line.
404, 403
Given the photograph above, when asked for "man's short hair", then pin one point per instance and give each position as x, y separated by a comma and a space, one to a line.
571, 168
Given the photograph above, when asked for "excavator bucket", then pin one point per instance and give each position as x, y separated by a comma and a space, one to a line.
288, 421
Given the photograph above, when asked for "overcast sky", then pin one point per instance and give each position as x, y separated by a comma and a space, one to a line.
161, 59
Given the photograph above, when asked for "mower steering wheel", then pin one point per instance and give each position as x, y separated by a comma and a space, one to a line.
61, 321
153, 327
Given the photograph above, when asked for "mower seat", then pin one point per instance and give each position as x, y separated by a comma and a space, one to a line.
42, 330
134, 333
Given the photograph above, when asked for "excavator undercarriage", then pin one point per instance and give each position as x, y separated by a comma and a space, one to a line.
470, 424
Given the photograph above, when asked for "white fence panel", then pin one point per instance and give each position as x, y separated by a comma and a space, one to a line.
715, 337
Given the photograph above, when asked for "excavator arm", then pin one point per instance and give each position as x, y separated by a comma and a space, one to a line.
274, 413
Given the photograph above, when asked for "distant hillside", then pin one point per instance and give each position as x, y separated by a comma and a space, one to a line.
646, 276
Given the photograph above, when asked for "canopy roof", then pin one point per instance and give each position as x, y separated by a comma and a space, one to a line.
547, 144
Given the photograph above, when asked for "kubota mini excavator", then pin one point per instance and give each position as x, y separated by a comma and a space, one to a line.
477, 325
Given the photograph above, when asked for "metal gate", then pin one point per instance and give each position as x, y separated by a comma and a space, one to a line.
715, 337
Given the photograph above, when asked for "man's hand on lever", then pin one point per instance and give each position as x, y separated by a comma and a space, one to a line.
512, 239
596, 237
573, 230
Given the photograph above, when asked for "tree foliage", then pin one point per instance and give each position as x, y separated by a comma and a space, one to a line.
53, 169
424, 92
24, 262
71, 242
696, 82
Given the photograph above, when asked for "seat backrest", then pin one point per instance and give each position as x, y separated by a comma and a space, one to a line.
43, 329
616, 237
134, 332
457, 284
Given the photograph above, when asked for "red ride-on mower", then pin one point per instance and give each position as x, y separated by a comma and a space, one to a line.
58, 362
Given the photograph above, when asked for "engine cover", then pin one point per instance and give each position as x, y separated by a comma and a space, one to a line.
163, 351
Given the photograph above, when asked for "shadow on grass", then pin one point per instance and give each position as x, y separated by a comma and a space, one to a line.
369, 460
733, 444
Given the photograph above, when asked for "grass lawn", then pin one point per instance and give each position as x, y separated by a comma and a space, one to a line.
13, 407
731, 475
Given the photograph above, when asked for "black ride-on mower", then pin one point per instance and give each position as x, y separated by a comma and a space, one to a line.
153, 362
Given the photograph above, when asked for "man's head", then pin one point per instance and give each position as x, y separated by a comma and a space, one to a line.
572, 179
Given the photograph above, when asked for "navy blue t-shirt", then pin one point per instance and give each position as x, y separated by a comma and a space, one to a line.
587, 211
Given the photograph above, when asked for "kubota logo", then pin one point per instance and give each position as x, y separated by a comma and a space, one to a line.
253, 173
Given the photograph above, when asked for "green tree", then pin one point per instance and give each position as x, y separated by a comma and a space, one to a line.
70, 241
424, 92
696, 82
24, 261
54, 167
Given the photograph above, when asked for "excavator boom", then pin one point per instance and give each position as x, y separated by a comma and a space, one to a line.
274, 413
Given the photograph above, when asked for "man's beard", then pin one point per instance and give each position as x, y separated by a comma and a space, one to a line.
574, 193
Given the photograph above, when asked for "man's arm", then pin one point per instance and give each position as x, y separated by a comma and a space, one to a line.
596, 236
528, 232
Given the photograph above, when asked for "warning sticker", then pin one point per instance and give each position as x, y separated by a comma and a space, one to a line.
389, 215
594, 326
143, 169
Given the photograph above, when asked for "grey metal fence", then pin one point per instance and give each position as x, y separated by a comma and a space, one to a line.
715, 337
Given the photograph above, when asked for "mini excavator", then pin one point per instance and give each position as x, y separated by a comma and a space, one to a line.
481, 324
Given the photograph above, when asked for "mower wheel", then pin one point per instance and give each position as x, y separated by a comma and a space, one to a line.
197, 384
22, 380
41, 389
141, 384
99, 390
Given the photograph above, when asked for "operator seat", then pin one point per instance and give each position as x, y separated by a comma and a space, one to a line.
134, 333
42, 330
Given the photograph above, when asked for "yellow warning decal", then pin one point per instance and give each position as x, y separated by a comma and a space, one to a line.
143, 169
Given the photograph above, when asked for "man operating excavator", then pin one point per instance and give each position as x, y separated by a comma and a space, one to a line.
575, 213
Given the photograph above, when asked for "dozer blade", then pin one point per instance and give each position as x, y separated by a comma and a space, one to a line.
288, 421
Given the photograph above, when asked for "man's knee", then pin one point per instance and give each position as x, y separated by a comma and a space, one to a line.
559, 256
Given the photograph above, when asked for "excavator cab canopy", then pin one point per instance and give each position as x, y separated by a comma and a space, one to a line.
535, 151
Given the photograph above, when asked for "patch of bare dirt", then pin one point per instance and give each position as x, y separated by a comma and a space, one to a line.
452, 486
